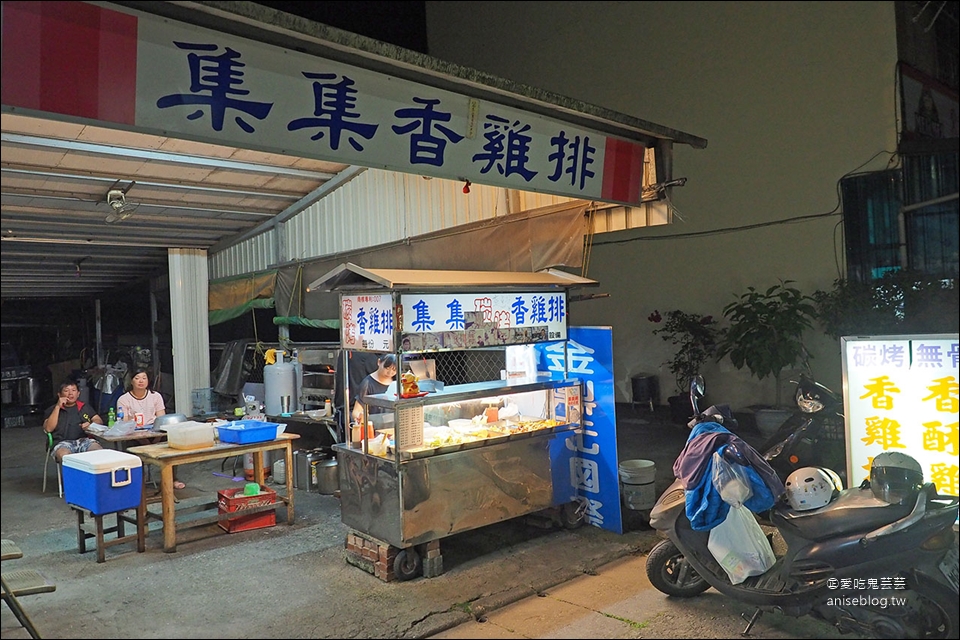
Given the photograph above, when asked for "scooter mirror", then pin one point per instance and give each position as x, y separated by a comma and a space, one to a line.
696, 392
697, 385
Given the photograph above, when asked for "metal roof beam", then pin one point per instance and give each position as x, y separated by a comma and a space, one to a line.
178, 186
160, 156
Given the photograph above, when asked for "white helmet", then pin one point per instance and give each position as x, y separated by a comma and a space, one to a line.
812, 488
895, 477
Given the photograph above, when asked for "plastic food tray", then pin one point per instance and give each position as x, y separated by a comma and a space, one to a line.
249, 431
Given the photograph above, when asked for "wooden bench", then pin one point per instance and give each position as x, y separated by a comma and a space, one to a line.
21, 582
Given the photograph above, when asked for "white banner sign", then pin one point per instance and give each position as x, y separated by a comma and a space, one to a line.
465, 321
901, 395
211, 85
367, 322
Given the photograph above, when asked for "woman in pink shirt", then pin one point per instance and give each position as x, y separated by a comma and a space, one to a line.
142, 400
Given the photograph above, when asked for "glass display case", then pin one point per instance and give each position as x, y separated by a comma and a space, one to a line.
466, 416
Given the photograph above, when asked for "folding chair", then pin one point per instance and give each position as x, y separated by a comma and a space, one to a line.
21, 582
46, 461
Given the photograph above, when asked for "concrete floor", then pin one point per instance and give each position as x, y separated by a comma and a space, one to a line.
618, 601
293, 581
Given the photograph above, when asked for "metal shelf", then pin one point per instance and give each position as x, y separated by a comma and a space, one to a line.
462, 392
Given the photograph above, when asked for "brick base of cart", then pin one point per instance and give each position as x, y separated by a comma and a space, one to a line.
378, 557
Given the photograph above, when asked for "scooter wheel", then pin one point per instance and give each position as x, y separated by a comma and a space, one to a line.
669, 572
939, 616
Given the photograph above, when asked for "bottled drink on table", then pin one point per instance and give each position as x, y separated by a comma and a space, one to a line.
111, 417
119, 413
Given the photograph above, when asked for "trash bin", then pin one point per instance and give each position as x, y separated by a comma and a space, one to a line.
646, 390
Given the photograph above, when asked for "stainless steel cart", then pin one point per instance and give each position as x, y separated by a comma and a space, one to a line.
420, 489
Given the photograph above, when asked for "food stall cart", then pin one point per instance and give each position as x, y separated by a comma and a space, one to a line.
453, 457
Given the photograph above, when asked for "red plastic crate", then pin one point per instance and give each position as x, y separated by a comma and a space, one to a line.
233, 501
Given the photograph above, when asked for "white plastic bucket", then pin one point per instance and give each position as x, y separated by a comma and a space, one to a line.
637, 481
638, 471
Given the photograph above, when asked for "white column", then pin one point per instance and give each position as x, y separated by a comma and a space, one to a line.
191, 334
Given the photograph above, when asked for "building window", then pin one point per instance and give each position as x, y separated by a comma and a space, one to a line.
903, 219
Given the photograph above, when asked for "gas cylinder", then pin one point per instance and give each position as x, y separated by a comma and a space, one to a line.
279, 384
248, 465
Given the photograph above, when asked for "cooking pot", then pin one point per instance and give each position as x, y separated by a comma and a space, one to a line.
161, 423
328, 480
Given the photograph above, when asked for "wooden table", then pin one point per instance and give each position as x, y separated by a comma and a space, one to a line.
166, 458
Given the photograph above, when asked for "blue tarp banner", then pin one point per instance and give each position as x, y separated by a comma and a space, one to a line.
591, 457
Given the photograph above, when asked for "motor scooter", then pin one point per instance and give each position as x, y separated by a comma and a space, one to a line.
860, 563
813, 436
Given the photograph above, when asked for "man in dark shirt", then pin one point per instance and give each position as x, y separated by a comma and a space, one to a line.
68, 421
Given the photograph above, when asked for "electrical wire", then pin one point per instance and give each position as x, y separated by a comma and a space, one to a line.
588, 238
296, 287
759, 225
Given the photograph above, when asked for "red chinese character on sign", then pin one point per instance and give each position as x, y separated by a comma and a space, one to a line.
486, 306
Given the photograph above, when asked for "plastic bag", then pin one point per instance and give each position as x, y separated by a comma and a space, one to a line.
731, 481
740, 547
122, 428
378, 446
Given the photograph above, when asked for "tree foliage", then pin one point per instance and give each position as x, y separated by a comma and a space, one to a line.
900, 303
766, 330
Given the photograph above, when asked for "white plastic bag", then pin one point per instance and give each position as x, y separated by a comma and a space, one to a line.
378, 446
740, 547
731, 481
122, 428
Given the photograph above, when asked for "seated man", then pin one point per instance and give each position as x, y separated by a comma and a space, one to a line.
68, 421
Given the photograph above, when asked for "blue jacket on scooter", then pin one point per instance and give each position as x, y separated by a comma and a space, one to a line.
694, 468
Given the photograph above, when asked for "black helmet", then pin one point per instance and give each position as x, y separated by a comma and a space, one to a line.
895, 477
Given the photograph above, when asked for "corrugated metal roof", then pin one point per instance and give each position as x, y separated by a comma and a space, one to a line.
349, 276
62, 237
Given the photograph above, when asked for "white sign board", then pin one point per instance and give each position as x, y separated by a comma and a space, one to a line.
213, 86
466, 321
367, 322
900, 394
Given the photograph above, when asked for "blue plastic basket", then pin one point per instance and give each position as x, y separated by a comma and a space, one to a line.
248, 431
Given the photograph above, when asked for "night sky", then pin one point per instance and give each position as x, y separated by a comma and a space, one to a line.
401, 23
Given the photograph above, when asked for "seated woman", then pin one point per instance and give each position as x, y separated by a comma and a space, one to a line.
142, 400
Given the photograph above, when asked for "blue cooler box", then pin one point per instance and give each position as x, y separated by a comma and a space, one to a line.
102, 481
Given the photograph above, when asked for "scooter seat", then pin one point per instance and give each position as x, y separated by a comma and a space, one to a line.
854, 510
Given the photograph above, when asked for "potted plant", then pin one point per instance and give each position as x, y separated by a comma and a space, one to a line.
696, 338
766, 336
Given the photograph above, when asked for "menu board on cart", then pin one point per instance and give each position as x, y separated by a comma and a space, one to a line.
445, 322
367, 322
432, 322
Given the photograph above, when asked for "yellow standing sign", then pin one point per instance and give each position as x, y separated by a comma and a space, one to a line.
901, 394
